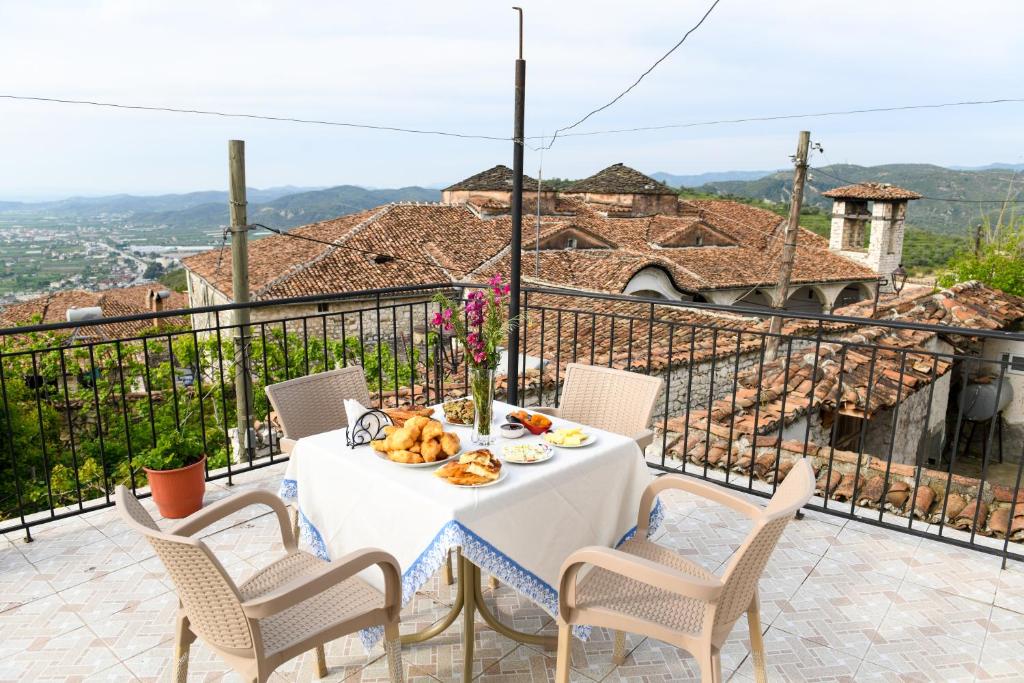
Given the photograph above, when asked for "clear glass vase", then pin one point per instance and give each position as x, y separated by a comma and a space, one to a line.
481, 380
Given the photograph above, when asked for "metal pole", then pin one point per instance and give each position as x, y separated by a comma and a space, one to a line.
240, 292
792, 230
517, 221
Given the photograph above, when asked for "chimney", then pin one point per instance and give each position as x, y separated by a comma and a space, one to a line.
156, 302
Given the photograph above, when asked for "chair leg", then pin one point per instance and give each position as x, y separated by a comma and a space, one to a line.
449, 577
182, 641
321, 661
716, 666
562, 665
393, 652
619, 648
756, 640
706, 660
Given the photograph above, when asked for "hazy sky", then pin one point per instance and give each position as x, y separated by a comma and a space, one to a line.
449, 65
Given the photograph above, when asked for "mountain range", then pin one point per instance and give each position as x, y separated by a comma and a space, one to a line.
938, 185
288, 206
280, 207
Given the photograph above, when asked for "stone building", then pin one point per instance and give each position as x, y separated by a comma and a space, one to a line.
868, 222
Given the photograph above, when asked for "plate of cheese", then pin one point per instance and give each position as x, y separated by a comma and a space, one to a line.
527, 453
569, 437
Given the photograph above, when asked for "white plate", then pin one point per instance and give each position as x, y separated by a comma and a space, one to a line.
382, 456
591, 438
444, 418
548, 453
501, 477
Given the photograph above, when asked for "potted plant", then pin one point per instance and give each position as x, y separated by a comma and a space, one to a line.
482, 326
176, 471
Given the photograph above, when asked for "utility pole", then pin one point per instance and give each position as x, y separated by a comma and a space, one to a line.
512, 372
240, 293
792, 230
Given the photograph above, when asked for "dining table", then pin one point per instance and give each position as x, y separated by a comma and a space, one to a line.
520, 529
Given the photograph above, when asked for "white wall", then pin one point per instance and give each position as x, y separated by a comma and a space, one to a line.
994, 350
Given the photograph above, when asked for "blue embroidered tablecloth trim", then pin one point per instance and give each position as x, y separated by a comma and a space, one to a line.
481, 553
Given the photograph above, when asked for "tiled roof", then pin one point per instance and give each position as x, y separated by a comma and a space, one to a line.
434, 243
496, 178
439, 243
619, 179
871, 191
967, 304
52, 308
608, 330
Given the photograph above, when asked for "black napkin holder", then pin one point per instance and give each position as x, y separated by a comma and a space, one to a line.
369, 427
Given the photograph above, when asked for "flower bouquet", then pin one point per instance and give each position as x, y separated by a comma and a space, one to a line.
482, 326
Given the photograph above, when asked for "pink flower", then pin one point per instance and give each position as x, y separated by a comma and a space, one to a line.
472, 338
495, 280
448, 327
436, 320
479, 356
447, 314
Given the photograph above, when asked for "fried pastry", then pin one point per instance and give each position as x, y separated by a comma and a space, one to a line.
402, 439
380, 445
450, 443
432, 430
408, 457
430, 449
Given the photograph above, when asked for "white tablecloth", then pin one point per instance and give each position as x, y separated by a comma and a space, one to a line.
520, 530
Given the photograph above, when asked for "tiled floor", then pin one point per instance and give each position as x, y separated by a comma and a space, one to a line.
841, 602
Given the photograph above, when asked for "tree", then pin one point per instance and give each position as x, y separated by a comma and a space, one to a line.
998, 261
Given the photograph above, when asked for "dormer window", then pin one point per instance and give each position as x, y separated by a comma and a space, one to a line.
570, 243
699, 241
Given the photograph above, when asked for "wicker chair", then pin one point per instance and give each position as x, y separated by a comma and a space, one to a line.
316, 403
294, 604
648, 589
609, 399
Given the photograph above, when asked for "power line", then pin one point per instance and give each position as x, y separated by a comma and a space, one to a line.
936, 199
640, 78
260, 117
784, 117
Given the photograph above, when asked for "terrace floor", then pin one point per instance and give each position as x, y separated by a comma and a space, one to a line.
841, 601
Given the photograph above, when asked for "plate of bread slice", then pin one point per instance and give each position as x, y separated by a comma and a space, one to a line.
419, 442
474, 469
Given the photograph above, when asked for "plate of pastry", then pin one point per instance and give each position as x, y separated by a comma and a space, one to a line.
420, 442
459, 413
569, 437
473, 470
527, 453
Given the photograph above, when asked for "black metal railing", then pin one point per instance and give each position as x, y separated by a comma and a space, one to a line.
876, 405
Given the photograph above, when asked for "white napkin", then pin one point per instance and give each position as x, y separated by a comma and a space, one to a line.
354, 410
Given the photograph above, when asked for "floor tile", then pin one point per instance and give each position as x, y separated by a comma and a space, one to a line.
957, 570
77, 653
838, 606
791, 658
1002, 655
866, 548
20, 581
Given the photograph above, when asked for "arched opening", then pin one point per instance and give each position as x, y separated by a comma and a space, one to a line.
851, 294
754, 299
806, 299
653, 281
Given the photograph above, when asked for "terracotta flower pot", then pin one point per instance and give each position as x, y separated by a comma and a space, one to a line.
178, 493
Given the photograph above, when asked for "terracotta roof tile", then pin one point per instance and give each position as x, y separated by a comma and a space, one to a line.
497, 178
619, 179
871, 191
52, 308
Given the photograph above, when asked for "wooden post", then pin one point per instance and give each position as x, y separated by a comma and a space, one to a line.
512, 368
240, 293
789, 248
